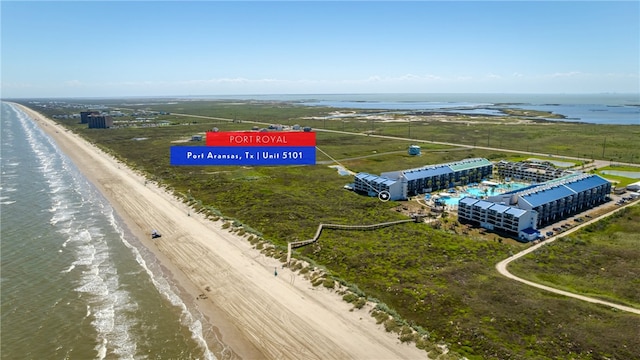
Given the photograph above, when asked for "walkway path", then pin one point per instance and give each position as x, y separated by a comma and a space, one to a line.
502, 269
297, 244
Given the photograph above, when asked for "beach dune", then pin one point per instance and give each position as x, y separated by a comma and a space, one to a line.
256, 314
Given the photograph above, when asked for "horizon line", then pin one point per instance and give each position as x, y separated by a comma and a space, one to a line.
304, 94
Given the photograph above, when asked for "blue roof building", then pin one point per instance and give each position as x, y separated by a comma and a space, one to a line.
442, 176
557, 199
426, 179
373, 185
498, 217
523, 211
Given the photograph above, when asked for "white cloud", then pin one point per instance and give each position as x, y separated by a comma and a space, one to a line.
73, 83
570, 81
564, 74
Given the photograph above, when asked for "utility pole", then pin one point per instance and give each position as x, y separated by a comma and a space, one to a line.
603, 146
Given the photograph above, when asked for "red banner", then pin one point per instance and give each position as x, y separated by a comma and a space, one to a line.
255, 138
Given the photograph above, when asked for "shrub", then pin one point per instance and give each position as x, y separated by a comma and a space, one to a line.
350, 297
380, 316
411, 337
423, 344
360, 303
391, 325
329, 283
434, 353
406, 330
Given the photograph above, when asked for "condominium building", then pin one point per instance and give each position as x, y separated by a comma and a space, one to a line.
405, 183
558, 199
373, 185
529, 171
536, 205
492, 216
84, 116
99, 121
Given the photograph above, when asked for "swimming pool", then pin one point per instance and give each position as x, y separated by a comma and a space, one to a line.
480, 191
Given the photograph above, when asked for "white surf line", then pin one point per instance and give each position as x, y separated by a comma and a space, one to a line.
502, 269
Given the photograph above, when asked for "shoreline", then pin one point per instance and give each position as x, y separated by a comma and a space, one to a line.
84, 156
252, 312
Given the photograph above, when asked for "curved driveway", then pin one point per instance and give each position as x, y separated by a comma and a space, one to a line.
502, 269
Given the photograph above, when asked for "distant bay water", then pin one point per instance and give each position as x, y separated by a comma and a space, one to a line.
614, 109
75, 283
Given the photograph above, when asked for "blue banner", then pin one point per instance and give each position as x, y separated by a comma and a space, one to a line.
242, 155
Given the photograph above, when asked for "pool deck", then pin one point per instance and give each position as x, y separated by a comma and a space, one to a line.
451, 199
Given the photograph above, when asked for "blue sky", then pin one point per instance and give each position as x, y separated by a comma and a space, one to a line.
144, 48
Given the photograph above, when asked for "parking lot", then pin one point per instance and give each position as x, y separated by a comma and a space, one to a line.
577, 219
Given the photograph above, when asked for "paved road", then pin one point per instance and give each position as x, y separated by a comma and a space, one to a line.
502, 269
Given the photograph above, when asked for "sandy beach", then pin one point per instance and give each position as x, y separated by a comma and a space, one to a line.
256, 314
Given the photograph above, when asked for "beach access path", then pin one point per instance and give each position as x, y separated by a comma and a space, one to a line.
256, 314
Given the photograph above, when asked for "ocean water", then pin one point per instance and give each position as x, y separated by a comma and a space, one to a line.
75, 284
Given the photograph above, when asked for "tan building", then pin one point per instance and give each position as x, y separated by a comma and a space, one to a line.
528, 171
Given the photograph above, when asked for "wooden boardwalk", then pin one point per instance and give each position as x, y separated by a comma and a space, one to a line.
297, 244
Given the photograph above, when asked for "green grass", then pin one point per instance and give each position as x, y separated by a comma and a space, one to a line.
621, 181
441, 280
599, 261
